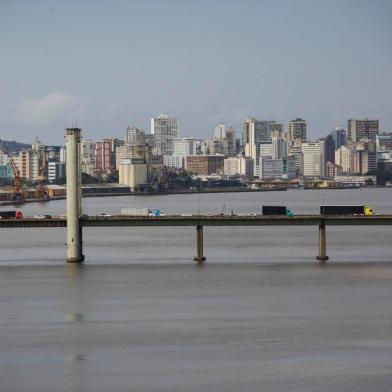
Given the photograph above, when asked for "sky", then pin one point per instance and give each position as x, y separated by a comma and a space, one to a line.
106, 65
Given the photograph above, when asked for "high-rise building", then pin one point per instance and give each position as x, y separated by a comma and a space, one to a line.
298, 129
313, 159
29, 164
279, 168
239, 165
165, 129
295, 152
217, 147
256, 132
344, 157
134, 136
365, 157
384, 142
276, 130
3, 158
105, 157
184, 146
87, 150
219, 132
339, 136
329, 149
279, 148
6, 171
56, 170
231, 141
362, 129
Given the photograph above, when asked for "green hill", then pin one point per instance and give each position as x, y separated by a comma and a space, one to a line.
12, 146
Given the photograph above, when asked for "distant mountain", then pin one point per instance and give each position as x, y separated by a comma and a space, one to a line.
12, 146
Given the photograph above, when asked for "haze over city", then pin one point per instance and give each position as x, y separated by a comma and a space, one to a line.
105, 66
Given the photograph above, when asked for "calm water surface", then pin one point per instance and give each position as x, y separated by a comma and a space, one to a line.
139, 315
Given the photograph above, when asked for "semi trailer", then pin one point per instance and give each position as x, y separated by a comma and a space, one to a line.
277, 210
11, 215
346, 210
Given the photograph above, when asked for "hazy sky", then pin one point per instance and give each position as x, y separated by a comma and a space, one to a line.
107, 64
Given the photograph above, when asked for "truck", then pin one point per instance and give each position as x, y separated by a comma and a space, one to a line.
11, 215
134, 211
346, 210
277, 210
155, 212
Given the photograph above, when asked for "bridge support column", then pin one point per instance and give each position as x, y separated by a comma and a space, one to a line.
322, 257
74, 229
199, 245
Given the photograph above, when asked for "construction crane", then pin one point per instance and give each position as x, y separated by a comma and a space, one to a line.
17, 193
159, 179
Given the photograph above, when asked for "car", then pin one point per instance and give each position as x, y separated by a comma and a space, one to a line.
45, 216
104, 215
186, 214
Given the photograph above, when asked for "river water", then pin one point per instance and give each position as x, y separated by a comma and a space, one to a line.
140, 316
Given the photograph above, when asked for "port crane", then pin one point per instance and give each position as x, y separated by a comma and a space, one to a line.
17, 193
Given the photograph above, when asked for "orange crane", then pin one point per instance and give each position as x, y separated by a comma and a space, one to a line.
17, 193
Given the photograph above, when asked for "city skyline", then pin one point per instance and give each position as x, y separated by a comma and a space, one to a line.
198, 61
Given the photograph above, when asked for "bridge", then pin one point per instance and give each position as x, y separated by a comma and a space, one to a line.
199, 221
75, 221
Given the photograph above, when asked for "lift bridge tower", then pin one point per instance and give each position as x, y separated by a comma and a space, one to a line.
74, 196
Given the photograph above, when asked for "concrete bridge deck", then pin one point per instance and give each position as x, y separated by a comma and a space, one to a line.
202, 220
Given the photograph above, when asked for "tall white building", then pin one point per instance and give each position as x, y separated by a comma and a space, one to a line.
165, 129
184, 146
344, 157
238, 165
256, 132
87, 150
134, 136
313, 159
220, 131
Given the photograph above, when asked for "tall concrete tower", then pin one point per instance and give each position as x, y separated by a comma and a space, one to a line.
73, 172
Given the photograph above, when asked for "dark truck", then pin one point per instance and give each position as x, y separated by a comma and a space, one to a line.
277, 210
346, 210
11, 215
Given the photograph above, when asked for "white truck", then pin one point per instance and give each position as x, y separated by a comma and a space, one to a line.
133, 211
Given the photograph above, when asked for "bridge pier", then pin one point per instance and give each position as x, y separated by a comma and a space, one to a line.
322, 257
74, 229
199, 245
